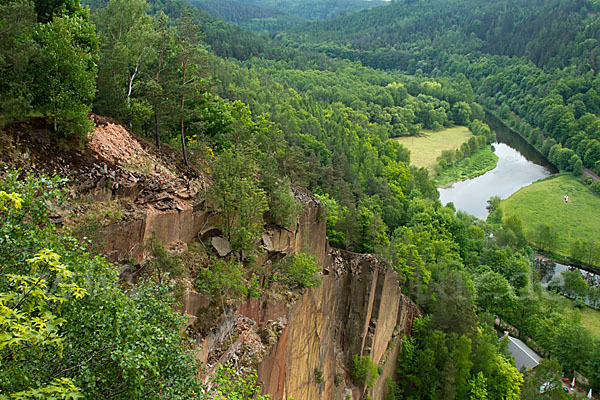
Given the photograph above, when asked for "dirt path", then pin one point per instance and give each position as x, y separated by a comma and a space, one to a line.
589, 173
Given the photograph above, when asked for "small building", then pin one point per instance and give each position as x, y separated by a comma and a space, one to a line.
525, 358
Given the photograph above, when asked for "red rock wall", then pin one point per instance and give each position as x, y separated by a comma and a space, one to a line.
356, 310
125, 240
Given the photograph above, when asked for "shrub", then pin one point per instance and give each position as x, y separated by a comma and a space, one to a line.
67, 325
283, 207
224, 278
299, 270
318, 376
338, 379
229, 383
235, 193
162, 264
364, 371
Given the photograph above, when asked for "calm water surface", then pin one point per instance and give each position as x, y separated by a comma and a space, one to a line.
514, 171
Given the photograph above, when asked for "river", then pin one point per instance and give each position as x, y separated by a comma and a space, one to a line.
519, 164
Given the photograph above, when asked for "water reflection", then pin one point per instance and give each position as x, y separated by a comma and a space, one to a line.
519, 164
513, 172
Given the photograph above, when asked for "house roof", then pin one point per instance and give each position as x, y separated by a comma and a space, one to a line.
524, 356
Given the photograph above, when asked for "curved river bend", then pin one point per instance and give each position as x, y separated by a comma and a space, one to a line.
519, 164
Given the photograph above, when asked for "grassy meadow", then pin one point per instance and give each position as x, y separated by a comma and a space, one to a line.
542, 203
590, 319
428, 146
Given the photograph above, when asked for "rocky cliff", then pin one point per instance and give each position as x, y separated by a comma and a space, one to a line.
306, 341
358, 309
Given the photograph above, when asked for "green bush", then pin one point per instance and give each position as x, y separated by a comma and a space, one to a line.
240, 202
283, 207
364, 371
162, 264
338, 379
222, 280
318, 376
298, 270
67, 327
230, 384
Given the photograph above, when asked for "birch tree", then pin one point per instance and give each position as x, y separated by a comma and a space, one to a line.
128, 41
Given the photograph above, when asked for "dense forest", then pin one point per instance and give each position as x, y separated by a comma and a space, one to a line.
315, 106
501, 47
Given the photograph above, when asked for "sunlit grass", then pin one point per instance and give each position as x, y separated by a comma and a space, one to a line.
542, 203
590, 319
428, 146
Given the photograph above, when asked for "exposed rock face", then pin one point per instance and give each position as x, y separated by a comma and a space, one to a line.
307, 340
301, 343
358, 309
125, 240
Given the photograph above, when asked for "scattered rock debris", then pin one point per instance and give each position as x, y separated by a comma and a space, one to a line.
113, 164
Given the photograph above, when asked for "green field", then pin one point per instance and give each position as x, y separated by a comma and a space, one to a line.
542, 203
590, 319
428, 146
476, 164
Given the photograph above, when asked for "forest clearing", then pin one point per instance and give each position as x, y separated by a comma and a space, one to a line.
428, 146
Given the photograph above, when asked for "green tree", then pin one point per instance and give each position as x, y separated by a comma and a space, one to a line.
18, 51
578, 250
461, 113
494, 294
364, 370
28, 314
284, 209
222, 280
572, 345
230, 384
543, 381
545, 237
191, 69
65, 86
102, 342
46, 10
574, 285
477, 387
163, 74
236, 194
505, 382
298, 270
454, 310
128, 41
594, 367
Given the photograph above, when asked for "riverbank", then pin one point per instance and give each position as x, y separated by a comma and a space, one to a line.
515, 139
476, 164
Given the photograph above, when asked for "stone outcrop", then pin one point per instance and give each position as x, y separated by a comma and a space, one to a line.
303, 343
358, 309
125, 240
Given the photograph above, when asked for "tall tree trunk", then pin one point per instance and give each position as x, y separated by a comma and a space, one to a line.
184, 152
156, 131
157, 80
181, 103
